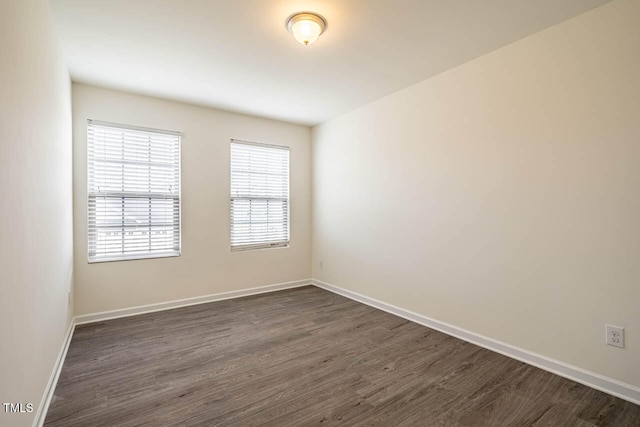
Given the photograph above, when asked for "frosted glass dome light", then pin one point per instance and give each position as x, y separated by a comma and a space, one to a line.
306, 27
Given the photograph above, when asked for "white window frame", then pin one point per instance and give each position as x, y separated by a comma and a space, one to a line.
157, 138
281, 200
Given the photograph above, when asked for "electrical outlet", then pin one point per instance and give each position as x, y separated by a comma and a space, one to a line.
321, 264
615, 336
69, 298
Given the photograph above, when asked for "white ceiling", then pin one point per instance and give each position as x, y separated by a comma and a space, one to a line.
237, 55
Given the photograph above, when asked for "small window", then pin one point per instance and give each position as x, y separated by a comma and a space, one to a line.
259, 195
133, 192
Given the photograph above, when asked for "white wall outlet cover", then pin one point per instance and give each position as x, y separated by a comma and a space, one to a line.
615, 336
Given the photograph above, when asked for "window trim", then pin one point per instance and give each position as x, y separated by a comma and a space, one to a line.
262, 245
148, 255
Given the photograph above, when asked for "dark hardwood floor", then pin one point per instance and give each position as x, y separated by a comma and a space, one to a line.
306, 357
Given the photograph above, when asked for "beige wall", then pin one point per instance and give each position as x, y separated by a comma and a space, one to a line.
502, 196
207, 265
36, 252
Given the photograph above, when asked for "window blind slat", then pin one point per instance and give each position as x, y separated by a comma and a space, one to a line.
133, 193
259, 196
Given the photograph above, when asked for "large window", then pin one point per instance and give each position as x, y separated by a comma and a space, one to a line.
133, 192
259, 195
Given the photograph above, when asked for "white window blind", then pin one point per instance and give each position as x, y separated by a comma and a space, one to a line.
259, 195
133, 192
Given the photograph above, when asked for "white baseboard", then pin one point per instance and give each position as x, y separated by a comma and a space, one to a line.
149, 308
611, 386
53, 379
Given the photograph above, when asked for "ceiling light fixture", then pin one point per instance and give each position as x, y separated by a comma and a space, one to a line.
306, 27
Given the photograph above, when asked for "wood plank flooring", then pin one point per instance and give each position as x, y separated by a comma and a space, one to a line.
306, 357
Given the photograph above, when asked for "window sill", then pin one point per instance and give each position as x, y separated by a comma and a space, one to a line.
258, 247
133, 258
